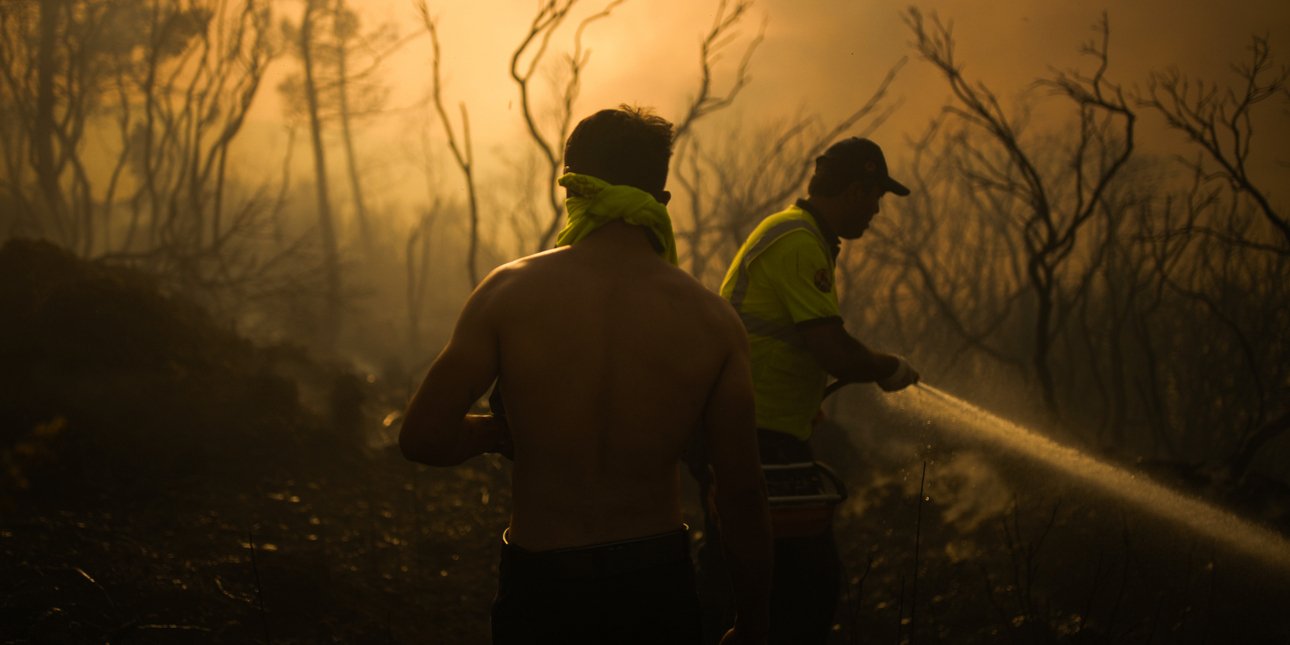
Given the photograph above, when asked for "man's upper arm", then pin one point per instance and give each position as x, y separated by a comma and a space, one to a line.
730, 421
740, 489
800, 273
840, 354
460, 375
802, 276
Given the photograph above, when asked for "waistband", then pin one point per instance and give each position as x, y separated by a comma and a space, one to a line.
598, 560
781, 448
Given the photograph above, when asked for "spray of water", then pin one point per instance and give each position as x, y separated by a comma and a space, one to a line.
1204, 519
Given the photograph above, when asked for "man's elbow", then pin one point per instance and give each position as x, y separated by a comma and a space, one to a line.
412, 449
416, 445
846, 358
743, 499
864, 367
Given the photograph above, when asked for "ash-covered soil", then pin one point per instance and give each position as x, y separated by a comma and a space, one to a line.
163, 480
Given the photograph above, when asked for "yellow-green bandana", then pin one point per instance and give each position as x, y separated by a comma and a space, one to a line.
594, 202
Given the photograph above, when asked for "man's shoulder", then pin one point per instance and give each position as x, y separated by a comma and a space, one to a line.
683, 288
790, 213
559, 268
529, 267
793, 248
514, 284
723, 317
790, 227
519, 266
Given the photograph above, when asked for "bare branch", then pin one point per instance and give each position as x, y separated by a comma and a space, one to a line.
549, 17
1220, 121
719, 36
462, 152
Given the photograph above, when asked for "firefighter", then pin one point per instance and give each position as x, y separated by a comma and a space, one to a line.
781, 283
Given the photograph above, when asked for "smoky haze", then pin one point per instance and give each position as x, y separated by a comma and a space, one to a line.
819, 59
377, 181
373, 181
1095, 245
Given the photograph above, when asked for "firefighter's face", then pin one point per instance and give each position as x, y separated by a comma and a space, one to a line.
863, 205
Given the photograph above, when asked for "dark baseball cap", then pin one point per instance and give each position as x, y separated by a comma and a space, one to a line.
861, 158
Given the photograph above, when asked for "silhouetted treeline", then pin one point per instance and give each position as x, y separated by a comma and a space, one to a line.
1140, 299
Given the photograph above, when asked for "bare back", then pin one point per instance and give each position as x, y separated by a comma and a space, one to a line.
607, 356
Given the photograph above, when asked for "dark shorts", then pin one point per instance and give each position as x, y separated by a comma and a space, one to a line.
633, 591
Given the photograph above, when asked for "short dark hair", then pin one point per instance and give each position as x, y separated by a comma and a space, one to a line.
623, 146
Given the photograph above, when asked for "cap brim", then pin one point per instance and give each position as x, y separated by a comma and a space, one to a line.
895, 187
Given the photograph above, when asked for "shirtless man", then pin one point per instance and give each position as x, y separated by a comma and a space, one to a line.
610, 360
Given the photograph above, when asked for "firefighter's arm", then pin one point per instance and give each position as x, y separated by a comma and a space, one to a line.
849, 360
437, 429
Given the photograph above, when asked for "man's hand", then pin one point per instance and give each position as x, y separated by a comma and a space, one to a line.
903, 377
734, 637
503, 446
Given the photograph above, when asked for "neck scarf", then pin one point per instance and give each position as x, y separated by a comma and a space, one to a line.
593, 203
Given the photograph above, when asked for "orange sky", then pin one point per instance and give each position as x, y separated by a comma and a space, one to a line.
823, 56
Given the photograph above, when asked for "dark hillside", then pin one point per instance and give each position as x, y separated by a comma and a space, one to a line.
146, 448
100, 363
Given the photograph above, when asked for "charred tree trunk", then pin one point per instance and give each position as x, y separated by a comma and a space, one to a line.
326, 226
418, 277
347, 137
43, 143
464, 153
1042, 282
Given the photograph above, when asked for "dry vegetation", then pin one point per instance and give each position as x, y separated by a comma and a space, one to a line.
167, 481
1130, 302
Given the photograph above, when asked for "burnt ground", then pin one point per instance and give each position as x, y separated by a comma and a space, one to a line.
341, 557
164, 481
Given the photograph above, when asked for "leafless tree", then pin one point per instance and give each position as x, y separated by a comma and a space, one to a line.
56, 63
306, 48
532, 55
1051, 228
347, 40
177, 81
965, 304
534, 47
1215, 302
689, 150
733, 179
338, 84
462, 151
719, 37
417, 260
1234, 237
202, 73
1220, 121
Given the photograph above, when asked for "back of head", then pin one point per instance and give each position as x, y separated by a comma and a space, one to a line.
627, 146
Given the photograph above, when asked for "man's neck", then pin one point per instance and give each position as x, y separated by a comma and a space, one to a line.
623, 237
821, 222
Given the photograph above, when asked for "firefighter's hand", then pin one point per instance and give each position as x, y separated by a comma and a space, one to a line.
903, 377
